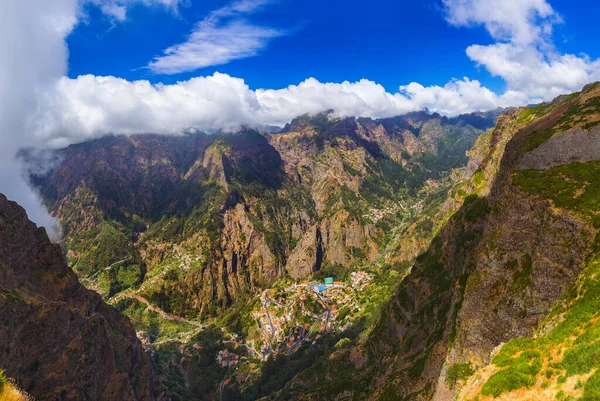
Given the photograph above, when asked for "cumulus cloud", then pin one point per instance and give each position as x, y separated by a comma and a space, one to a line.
34, 56
89, 106
224, 35
525, 56
540, 76
523, 22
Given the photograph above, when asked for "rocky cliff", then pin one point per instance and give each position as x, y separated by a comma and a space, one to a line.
59, 340
192, 227
232, 213
503, 305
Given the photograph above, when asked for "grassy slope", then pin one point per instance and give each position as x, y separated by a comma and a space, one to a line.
8, 392
562, 362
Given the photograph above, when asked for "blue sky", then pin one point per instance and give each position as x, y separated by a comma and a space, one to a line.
167, 66
390, 42
72, 70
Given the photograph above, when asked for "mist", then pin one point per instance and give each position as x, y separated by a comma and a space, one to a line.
33, 57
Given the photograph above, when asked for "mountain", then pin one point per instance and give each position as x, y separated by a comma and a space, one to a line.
58, 340
184, 232
504, 303
239, 205
465, 261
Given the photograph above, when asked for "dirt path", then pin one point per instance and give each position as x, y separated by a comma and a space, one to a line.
165, 315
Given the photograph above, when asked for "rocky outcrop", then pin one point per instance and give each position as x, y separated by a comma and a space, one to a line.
578, 145
217, 166
307, 256
57, 339
248, 260
235, 212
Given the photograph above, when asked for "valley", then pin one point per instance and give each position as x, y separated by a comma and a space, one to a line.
256, 200
222, 238
413, 258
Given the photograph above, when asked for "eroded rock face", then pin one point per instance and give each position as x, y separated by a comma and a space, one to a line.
578, 145
307, 256
57, 339
234, 213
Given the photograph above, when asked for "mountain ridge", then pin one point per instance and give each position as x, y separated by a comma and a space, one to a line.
59, 340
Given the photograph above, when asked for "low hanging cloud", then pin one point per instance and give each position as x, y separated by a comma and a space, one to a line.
223, 36
89, 106
41, 107
34, 57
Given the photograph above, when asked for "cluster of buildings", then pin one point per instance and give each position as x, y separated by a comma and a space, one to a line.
277, 317
321, 287
227, 359
360, 279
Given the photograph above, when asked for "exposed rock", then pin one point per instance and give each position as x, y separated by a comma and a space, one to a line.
577, 145
57, 339
307, 256
217, 166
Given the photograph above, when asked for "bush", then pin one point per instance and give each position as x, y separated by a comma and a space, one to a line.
517, 373
458, 371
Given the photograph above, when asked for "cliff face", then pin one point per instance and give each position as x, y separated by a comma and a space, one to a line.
57, 339
516, 262
233, 213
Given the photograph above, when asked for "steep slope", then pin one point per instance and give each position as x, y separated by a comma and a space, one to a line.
515, 259
198, 226
57, 339
557, 289
234, 213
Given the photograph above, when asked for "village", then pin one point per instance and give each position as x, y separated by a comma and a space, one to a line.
303, 312
288, 315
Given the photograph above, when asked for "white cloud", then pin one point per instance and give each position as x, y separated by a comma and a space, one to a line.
90, 106
224, 35
460, 97
34, 56
529, 70
522, 22
117, 9
210, 45
525, 58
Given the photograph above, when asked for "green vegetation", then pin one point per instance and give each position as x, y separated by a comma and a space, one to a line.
591, 389
458, 371
577, 114
533, 113
475, 208
339, 272
522, 274
204, 375
518, 371
155, 326
3, 381
573, 187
